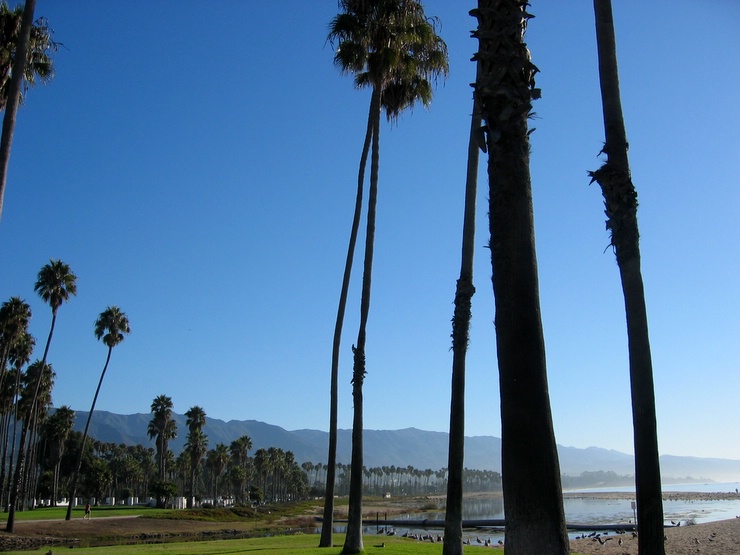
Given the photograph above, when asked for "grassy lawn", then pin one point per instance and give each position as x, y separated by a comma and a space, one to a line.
58, 513
285, 545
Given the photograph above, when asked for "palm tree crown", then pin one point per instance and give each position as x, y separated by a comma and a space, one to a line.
15, 315
196, 418
163, 427
55, 284
40, 47
111, 326
389, 45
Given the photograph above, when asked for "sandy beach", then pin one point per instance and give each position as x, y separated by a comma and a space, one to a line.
712, 538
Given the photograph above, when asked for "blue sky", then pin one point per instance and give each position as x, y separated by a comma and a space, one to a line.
195, 164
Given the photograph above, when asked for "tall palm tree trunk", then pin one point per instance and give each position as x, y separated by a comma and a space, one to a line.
620, 198
5, 461
8, 484
460, 335
14, 94
353, 539
327, 526
533, 502
78, 466
27, 422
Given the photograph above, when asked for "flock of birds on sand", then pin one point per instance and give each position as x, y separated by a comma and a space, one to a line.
600, 537
437, 538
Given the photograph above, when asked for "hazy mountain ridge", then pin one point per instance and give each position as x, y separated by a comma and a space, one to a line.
405, 447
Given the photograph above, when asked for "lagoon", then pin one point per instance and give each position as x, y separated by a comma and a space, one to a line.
597, 506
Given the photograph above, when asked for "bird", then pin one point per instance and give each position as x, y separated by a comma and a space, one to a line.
620, 541
381, 545
602, 542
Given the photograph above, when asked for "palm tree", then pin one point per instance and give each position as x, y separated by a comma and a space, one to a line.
55, 284
19, 356
39, 64
110, 326
196, 446
15, 314
217, 460
393, 48
164, 428
453, 540
620, 199
56, 429
36, 373
239, 449
533, 502
24, 54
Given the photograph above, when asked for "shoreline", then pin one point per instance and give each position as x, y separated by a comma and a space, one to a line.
720, 537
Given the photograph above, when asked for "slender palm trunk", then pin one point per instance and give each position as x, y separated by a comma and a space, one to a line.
191, 497
460, 335
327, 526
14, 94
9, 483
27, 422
4, 459
353, 539
533, 502
78, 466
620, 199
55, 484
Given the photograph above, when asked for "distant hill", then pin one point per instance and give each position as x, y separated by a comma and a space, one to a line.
409, 446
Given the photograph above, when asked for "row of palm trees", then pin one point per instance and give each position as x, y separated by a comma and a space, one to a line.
400, 480
393, 49
121, 471
27, 396
271, 472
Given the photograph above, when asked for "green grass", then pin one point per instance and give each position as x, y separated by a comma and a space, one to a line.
58, 513
300, 544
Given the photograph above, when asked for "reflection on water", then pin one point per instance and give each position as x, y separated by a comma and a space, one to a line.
591, 510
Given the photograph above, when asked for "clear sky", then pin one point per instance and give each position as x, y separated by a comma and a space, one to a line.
195, 164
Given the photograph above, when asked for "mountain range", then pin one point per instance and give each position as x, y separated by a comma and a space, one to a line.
406, 447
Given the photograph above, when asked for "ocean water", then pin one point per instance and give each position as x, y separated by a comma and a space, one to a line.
594, 511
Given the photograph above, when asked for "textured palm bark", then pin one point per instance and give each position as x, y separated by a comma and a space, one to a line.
620, 200
14, 98
453, 540
353, 539
327, 527
533, 503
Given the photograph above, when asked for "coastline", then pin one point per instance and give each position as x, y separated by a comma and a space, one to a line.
720, 537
